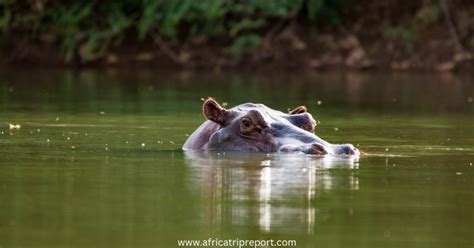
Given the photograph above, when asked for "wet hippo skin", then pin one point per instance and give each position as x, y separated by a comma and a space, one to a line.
258, 128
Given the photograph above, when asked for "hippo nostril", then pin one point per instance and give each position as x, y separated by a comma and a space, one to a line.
316, 149
348, 150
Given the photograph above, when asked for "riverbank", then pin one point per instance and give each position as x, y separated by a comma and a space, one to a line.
379, 35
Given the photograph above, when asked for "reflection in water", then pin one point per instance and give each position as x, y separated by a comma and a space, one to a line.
148, 91
271, 191
130, 195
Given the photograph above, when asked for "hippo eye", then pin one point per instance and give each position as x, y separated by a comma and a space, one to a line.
246, 123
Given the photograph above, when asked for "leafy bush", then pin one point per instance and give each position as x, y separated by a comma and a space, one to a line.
94, 26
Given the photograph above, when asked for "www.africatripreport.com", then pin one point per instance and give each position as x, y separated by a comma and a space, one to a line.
240, 243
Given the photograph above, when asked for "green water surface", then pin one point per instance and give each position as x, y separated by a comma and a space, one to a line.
97, 161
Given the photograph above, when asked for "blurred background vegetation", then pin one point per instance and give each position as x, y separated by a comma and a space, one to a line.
107, 31
101, 24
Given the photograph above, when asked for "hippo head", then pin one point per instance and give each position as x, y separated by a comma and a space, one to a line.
255, 127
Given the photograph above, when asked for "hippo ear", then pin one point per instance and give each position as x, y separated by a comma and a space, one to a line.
298, 110
213, 111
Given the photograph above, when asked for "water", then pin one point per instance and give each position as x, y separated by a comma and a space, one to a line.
97, 161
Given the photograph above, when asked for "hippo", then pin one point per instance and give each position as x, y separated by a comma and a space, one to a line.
258, 128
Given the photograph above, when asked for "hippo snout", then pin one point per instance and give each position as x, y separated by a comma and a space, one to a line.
320, 149
346, 149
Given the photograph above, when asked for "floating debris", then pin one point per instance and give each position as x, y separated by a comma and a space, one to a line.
469, 99
73, 147
386, 149
143, 144
224, 104
171, 142
336, 129
68, 138
126, 142
14, 126
458, 173
102, 113
57, 119
38, 130
48, 140
394, 99
319, 102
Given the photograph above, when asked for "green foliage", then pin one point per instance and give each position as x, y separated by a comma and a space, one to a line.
5, 19
247, 41
6, 16
406, 35
313, 6
427, 14
244, 25
324, 10
93, 26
